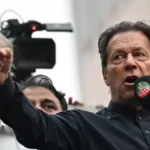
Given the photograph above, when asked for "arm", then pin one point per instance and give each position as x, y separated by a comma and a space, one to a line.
34, 128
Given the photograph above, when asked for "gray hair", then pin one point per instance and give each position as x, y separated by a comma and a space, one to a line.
4, 42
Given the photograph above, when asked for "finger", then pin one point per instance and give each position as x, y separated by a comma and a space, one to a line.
75, 103
70, 100
4, 59
6, 52
1, 64
79, 103
7, 65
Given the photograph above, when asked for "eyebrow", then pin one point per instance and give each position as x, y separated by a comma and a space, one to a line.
46, 100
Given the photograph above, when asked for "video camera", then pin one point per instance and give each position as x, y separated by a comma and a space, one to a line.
31, 53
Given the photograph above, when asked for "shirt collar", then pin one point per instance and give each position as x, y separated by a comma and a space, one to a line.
121, 108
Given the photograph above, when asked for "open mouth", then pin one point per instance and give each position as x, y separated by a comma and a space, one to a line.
130, 80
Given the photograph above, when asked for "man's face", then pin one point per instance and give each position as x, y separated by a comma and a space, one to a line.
128, 59
43, 99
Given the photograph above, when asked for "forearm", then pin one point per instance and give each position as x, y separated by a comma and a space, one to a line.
18, 113
33, 127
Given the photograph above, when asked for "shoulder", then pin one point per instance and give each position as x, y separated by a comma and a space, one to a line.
80, 115
75, 114
105, 112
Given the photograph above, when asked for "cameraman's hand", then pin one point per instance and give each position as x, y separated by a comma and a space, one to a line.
6, 58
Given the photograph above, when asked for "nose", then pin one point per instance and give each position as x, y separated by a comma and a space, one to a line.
130, 63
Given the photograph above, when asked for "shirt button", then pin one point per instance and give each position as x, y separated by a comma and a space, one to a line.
140, 118
147, 132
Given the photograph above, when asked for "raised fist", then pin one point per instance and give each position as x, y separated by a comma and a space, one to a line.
6, 59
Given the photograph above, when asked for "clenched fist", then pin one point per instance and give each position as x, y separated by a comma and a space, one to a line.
6, 58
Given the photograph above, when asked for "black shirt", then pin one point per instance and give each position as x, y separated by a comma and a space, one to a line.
117, 127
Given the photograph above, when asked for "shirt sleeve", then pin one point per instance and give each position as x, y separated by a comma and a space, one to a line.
34, 128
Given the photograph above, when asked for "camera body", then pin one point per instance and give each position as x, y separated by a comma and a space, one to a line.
31, 53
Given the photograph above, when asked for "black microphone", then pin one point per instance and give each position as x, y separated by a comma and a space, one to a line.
142, 91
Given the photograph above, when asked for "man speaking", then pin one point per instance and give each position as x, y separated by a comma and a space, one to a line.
125, 54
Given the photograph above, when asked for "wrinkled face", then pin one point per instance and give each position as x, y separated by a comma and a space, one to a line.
128, 59
43, 99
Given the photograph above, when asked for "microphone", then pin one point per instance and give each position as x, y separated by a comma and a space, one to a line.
142, 91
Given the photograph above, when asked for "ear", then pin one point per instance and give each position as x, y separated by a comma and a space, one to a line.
105, 77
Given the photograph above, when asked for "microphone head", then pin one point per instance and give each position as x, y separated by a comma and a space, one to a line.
142, 91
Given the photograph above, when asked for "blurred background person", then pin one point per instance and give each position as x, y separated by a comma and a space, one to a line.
43, 95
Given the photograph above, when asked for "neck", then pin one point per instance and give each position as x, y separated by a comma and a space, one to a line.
131, 102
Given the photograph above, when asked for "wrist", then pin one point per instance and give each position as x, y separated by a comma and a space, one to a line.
3, 79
